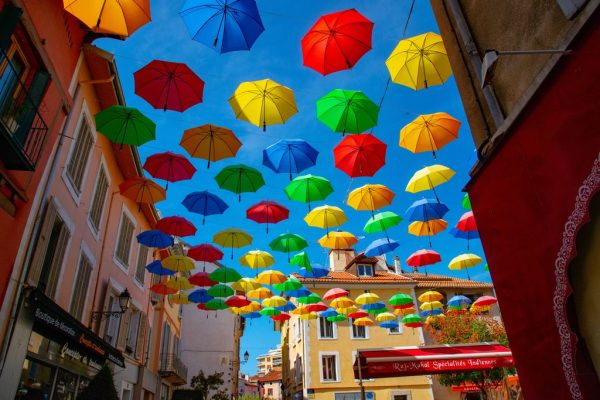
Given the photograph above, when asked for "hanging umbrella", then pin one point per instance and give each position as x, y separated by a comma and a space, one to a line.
240, 179
245, 284
370, 197
210, 142
312, 298
412, 321
360, 155
308, 188
179, 298
251, 315
179, 283
155, 238
347, 310
385, 316
338, 240
430, 305
263, 103
269, 312
161, 288
170, 167
257, 259
401, 299
467, 235
176, 226
259, 293
287, 242
432, 313
342, 302
428, 178
382, 222
225, 275
201, 279
270, 277
199, 296
337, 318
274, 301
156, 268
309, 316
252, 307
389, 325
237, 301
485, 301
347, 111
425, 210
358, 314
378, 305
204, 203
337, 41
301, 260
220, 290
330, 312
367, 298
429, 132
290, 156
301, 310
178, 263
419, 62
168, 85
335, 293
326, 217
429, 296
423, 258
300, 292
232, 238
142, 190
316, 307
466, 202
429, 228
289, 306
405, 311
380, 247
117, 17
290, 284
364, 321
314, 273
231, 25
281, 317
466, 223
267, 212
216, 304
464, 261
205, 253
459, 301
125, 125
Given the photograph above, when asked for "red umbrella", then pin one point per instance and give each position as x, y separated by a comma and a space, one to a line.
267, 212
169, 166
337, 41
168, 85
177, 226
424, 257
201, 279
485, 301
237, 301
467, 223
161, 288
407, 305
360, 155
316, 307
281, 317
334, 294
358, 314
202, 307
206, 253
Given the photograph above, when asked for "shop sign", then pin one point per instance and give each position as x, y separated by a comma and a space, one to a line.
427, 367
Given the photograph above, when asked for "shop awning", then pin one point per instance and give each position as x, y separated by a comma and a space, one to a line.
429, 360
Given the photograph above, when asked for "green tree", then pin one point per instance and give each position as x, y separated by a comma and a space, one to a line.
205, 384
101, 387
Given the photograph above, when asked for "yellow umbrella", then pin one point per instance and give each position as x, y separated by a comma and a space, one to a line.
257, 259
338, 240
342, 302
119, 17
464, 261
179, 283
405, 311
178, 263
271, 277
346, 310
252, 307
364, 321
429, 132
370, 197
259, 293
430, 305
179, 298
263, 103
245, 284
274, 301
301, 310
311, 315
232, 238
419, 62
385, 316
430, 295
428, 178
236, 311
428, 228
367, 298
326, 217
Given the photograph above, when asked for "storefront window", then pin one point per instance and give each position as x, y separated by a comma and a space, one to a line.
36, 381
66, 384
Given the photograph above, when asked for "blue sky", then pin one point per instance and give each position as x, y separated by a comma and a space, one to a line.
277, 55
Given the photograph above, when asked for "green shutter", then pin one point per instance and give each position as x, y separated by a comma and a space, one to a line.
9, 18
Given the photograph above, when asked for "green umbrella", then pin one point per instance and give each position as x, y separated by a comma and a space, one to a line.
347, 111
382, 221
308, 188
401, 299
287, 242
411, 319
216, 304
220, 290
485, 267
337, 318
240, 179
269, 312
225, 275
310, 299
376, 311
466, 202
301, 260
125, 125
290, 284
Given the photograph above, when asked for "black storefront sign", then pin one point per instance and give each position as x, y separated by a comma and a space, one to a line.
76, 340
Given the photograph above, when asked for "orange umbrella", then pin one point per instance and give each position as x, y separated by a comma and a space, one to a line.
210, 142
119, 17
142, 190
429, 132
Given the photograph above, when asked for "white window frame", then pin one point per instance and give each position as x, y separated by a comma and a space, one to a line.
96, 233
400, 330
351, 329
365, 266
335, 336
337, 366
125, 211
87, 252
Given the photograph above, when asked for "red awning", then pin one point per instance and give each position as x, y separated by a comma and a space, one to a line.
429, 360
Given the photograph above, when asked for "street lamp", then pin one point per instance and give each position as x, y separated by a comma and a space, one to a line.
246, 357
124, 302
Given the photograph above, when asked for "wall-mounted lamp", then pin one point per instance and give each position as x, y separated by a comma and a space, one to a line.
124, 302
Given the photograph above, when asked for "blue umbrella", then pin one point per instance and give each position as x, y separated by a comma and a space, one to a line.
199, 296
204, 203
156, 268
317, 272
429, 313
290, 155
425, 210
381, 246
330, 312
287, 307
468, 235
233, 24
389, 325
155, 238
459, 301
374, 306
252, 315
302, 292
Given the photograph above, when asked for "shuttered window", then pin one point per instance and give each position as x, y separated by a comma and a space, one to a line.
112, 324
140, 270
358, 332
328, 368
124, 241
132, 334
81, 286
97, 206
80, 155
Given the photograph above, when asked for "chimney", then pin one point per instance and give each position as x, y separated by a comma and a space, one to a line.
397, 266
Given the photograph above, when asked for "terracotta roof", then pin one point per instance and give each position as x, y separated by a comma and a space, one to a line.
443, 281
347, 277
361, 257
274, 375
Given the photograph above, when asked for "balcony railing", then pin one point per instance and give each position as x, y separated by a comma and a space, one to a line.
22, 129
173, 369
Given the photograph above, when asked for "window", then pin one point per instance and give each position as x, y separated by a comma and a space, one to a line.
133, 331
350, 396
270, 392
398, 330
166, 338
329, 371
80, 155
112, 326
97, 205
326, 329
358, 332
140, 270
81, 286
124, 241
164, 392
365, 270
400, 397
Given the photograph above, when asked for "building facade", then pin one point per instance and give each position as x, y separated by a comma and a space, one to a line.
270, 361
534, 188
270, 385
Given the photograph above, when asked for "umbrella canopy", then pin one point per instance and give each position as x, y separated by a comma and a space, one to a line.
225, 275
205, 252
389, 325
245, 284
142, 190
429, 228
468, 235
308, 188
360, 155
412, 320
347, 111
201, 279
337, 318
290, 156
269, 312
289, 306
370, 197
382, 222
347, 310
251, 315
156, 268
310, 315
240, 179
259, 293
263, 103
161, 288
125, 125
426, 210
257, 259
464, 261
466, 202
267, 212
419, 62
429, 296
485, 301
210, 142
118, 17
301, 260
179, 283
216, 304
291, 283
281, 317
225, 25
358, 314
178, 263
466, 223
287, 242
168, 85
326, 217
335, 293
400, 299
199, 296
421, 258
364, 321
432, 313
385, 316
378, 305
237, 301
270, 277
155, 238
381, 246
232, 238
179, 298
252, 307
220, 290
429, 132
428, 178
405, 311
170, 167
300, 292
274, 301
312, 298
176, 226
316, 307
315, 272
338, 240
430, 305
337, 41
459, 301
204, 203
330, 312
342, 302
367, 298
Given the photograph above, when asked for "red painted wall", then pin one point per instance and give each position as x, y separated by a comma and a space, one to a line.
523, 198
